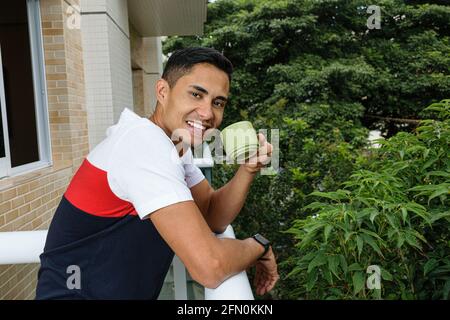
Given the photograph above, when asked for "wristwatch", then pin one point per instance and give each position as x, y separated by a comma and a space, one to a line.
262, 241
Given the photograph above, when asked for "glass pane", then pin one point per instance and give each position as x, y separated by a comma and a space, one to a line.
18, 82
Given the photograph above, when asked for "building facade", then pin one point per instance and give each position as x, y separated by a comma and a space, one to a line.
67, 70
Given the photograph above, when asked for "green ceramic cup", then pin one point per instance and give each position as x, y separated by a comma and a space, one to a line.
240, 140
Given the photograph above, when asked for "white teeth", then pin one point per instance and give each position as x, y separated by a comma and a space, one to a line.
196, 125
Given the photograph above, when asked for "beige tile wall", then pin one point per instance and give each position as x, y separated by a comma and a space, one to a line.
146, 63
28, 202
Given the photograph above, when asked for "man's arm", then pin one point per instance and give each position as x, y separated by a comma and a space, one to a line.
221, 207
208, 259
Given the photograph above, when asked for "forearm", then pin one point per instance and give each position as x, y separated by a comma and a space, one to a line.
227, 201
237, 255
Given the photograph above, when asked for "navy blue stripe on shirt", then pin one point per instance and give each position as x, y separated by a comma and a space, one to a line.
118, 258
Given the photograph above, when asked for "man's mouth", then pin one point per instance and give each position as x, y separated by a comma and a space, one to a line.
196, 126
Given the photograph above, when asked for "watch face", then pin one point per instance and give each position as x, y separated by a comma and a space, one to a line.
261, 239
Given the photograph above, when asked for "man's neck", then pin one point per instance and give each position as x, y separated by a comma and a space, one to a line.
156, 119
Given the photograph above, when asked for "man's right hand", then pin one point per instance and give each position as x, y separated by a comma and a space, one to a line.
266, 275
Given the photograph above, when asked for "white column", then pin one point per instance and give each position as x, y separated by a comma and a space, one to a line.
146, 59
107, 66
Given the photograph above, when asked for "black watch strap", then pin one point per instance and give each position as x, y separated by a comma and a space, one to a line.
264, 242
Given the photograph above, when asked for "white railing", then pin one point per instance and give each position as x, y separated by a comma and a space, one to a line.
19, 247
234, 288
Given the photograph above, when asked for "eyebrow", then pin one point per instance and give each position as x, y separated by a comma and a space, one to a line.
201, 89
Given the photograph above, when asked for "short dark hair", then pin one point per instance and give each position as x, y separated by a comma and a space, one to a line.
182, 61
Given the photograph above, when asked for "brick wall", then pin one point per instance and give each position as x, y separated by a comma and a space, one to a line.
28, 201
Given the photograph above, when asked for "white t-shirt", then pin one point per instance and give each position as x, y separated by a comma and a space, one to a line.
143, 166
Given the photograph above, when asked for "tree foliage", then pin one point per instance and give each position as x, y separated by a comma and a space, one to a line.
313, 70
394, 212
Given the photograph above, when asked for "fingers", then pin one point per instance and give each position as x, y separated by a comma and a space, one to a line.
265, 282
269, 284
262, 139
264, 144
259, 284
272, 283
266, 285
263, 156
260, 289
265, 150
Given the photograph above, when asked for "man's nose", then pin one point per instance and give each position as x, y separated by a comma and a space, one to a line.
205, 111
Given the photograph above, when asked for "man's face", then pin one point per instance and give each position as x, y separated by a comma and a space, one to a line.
196, 102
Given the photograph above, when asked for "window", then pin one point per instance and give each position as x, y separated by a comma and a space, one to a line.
24, 134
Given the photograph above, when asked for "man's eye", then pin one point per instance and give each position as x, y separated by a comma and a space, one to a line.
196, 95
219, 104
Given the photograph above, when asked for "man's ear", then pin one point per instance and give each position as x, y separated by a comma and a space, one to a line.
162, 90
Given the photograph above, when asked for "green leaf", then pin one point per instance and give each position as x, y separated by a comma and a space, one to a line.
392, 221
320, 259
294, 271
358, 281
326, 232
440, 215
412, 240
333, 265
429, 163
355, 267
404, 214
360, 244
371, 242
330, 195
385, 275
373, 215
370, 233
400, 240
328, 277
430, 266
311, 280
347, 235
439, 174
343, 263
316, 205
437, 193
418, 209
308, 257
419, 236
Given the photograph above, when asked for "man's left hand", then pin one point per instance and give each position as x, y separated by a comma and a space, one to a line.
262, 157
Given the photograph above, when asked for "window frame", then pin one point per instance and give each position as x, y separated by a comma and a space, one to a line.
40, 99
5, 162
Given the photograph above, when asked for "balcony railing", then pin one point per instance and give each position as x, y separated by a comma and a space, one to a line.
20, 247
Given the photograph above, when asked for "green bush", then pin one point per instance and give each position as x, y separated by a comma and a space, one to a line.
394, 212
313, 70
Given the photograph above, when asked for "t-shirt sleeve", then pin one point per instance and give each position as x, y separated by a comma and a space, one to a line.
145, 170
193, 175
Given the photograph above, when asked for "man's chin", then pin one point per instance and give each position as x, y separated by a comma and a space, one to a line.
191, 141
195, 139
197, 142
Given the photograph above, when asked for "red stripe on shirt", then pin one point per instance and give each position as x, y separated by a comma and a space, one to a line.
89, 191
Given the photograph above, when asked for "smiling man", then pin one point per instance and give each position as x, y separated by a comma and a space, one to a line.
132, 204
